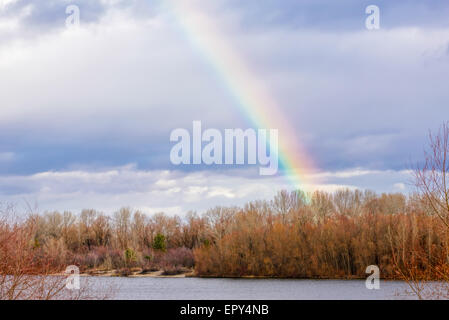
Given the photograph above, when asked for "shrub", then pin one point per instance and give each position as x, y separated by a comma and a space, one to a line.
130, 257
159, 242
179, 257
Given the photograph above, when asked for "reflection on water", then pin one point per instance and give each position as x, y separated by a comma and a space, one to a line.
240, 289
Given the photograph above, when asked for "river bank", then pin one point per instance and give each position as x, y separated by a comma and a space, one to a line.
190, 273
138, 273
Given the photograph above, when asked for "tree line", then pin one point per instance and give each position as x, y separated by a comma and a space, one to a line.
328, 235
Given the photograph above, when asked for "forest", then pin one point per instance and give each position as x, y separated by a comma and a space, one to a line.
324, 235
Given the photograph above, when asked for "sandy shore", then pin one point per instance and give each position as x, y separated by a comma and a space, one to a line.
137, 274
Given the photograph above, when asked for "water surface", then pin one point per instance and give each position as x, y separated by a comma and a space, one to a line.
249, 289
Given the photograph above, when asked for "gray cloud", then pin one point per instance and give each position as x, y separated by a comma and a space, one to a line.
52, 13
325, 15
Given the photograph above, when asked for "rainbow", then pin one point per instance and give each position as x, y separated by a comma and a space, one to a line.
252, 97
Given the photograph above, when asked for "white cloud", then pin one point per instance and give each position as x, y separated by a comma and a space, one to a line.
5, 3
119, 74
355, 172
174, 192
399, 186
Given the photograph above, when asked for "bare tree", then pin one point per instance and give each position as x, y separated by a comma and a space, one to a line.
432, 183
432, 178
29, 271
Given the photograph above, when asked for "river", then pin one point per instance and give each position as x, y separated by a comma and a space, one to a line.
241, 289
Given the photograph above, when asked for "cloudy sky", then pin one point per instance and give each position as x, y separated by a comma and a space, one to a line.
86, 112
